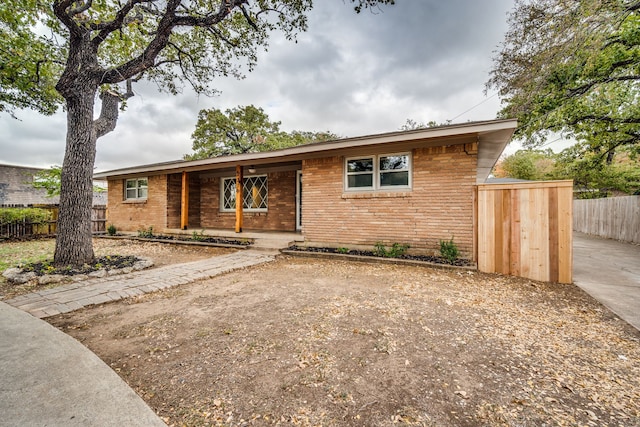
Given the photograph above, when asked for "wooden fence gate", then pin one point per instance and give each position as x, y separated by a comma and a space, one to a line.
525, 229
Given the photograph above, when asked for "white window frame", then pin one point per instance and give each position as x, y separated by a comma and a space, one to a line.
245, 209
137, 188
376, 184
347, 174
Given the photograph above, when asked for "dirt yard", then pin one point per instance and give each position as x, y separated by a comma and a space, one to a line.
332, 343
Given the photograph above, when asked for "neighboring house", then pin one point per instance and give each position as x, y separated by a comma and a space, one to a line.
414, 187
16, 188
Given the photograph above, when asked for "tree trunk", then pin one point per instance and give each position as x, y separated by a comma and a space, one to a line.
73, 242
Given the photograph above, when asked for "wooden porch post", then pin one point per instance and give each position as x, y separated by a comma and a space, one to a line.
184, 203
239, 198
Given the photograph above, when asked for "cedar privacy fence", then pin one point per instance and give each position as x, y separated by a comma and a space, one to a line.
525, 229
613, 217
24, 228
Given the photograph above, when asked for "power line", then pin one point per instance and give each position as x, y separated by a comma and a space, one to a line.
475, 106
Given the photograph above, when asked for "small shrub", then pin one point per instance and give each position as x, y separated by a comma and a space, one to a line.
449, 250
379, 249
342, 250
198, 237
396, 250
146, 232
111, 230
18, 215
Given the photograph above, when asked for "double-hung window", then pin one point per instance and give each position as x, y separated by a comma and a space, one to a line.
136, 189
380, 172
255, 194
360, 173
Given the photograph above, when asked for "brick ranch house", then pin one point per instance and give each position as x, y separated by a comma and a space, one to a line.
415, 187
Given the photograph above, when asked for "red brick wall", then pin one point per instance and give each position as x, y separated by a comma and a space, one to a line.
174, 200
174, 196
134, 215
439, 205
280, 215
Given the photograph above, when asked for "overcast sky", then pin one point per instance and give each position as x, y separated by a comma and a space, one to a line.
349, 74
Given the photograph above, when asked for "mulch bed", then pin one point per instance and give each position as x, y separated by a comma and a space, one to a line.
460, 262
221, 241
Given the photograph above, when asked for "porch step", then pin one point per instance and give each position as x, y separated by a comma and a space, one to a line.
267, 244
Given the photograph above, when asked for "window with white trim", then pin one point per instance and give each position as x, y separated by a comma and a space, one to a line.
136, 189
255, 193
380, 172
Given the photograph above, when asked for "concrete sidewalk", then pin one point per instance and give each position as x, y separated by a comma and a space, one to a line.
66, 298
609, 271
50, 379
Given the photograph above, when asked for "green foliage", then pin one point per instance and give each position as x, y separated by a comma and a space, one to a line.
146, 233
29, 72
592, 177
595, 178
49, 180
111, 230
573, 67
449, 250
411, 124
343, 250
18, 215
240, 130
533, 165
396, 250
198, 237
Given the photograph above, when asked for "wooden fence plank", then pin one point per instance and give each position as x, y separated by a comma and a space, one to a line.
554, 237
565, 235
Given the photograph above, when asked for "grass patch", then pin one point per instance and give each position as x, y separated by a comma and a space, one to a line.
32, 251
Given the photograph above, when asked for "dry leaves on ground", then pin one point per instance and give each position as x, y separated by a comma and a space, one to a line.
328, 343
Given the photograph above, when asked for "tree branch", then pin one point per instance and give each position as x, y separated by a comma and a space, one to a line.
606, 119
60, 10
586, 87
633, 7
248, 18
167, 23
83, 7
109, 110
113, 25
147, 58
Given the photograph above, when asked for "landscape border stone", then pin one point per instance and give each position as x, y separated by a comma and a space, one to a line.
17, 276
176, 242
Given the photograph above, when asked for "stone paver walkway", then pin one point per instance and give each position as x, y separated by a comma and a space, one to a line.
66, 298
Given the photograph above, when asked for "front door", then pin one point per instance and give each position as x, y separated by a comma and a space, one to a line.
298, 200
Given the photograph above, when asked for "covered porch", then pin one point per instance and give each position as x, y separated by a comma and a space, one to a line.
209, 199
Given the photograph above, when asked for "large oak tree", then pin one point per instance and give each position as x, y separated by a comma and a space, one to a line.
244, 129
79, 51
573, 66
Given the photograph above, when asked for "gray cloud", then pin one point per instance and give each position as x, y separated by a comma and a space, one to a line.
350, 74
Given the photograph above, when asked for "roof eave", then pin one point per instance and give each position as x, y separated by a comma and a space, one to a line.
493, 136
